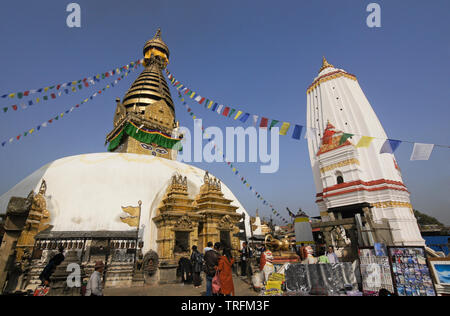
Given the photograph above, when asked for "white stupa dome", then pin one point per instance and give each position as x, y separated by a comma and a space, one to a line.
87, 192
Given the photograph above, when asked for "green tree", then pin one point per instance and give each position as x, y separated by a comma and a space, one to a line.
424, 219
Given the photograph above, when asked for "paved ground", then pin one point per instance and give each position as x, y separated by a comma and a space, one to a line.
242, 288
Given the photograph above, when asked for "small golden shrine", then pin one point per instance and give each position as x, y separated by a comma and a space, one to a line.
38, 220
183, 222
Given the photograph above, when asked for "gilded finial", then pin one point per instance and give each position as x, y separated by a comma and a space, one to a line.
158, 34
325, 64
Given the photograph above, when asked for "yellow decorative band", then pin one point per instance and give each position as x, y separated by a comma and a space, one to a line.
329, 77
347, 162
387, 204
301, 219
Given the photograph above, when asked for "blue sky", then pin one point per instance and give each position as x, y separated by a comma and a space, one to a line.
258, 55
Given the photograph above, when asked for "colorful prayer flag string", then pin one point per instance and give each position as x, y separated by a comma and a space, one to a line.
389, 146
61, 115
231, 112
232, 167
64, 88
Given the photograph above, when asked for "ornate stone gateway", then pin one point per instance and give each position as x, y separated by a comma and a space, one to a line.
183, 222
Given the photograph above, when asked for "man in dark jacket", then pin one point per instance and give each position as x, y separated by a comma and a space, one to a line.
51, 266
246, 254
211, 262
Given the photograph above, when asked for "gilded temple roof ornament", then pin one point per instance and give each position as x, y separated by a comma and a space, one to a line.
325, 64
43, 188
157, 34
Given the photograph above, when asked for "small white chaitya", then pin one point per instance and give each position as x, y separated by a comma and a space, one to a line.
348, 176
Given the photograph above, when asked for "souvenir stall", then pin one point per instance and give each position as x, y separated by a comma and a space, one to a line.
410, 271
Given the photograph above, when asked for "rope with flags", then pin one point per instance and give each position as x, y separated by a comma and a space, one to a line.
65, 88
61, 115
233, 168
421, 151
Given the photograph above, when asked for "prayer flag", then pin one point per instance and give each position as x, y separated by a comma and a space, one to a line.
273, 124
245, 117
344, 138
239, 113
210, 104
264, 122
198, 98
232, 112
297, 132
284, 128
220, 108
255, 120
421, 151
202, 100
364, 141
226, 111
390, 146
214, 108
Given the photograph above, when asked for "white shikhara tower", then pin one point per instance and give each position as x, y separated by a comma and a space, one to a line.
348, 179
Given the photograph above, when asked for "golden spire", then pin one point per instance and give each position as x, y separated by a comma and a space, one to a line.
325, 64
158, 34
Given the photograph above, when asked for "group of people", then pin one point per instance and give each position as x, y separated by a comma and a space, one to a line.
217, 263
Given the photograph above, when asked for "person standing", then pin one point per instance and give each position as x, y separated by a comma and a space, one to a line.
51, 266
332, 257
225, 273
300, 251
323, 258
94, 286
246, 254
266, 264
197, 262
211, 259
209, 246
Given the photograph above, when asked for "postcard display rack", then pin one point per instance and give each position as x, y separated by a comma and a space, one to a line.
376, 271
410, 272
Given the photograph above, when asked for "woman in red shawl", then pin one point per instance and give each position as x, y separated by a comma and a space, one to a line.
225, 273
